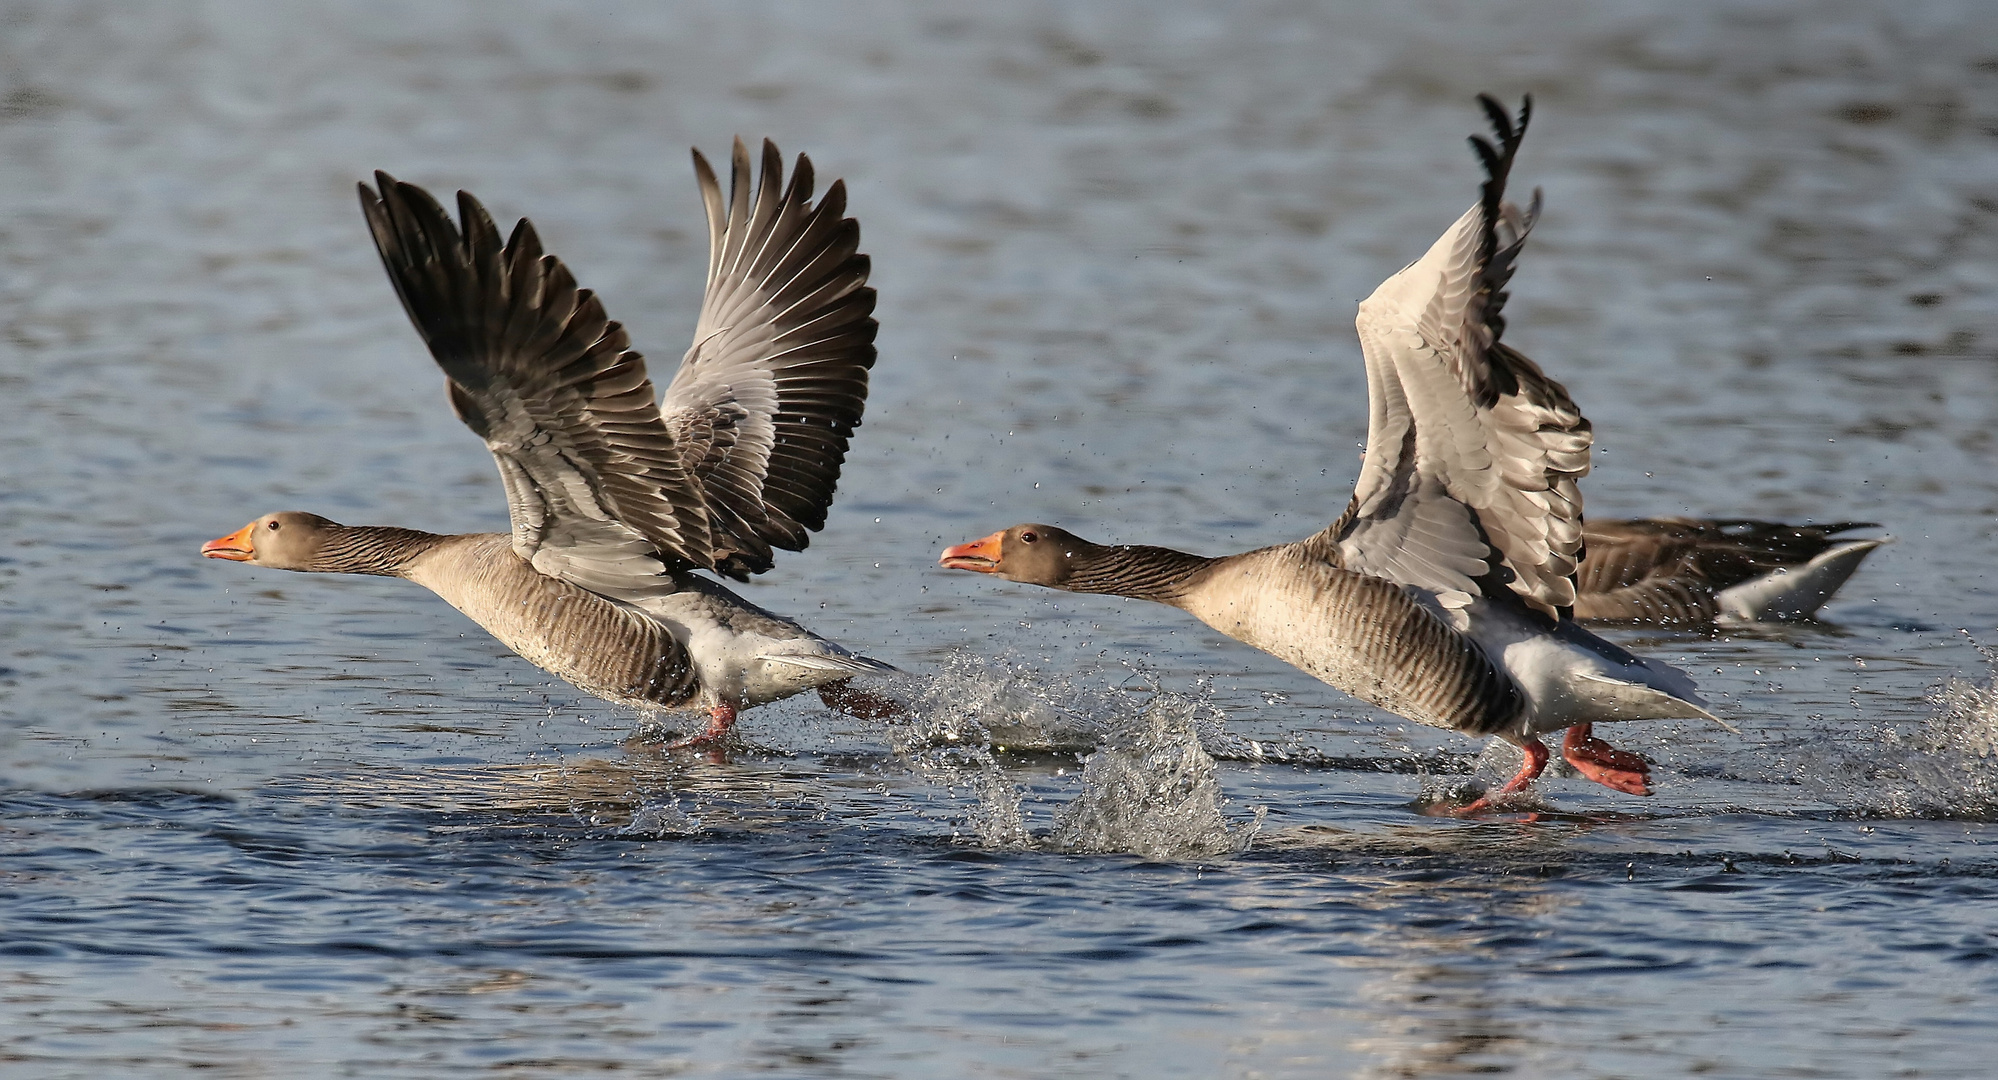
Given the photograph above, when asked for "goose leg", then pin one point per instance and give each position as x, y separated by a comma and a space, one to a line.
842, 697
1605, 764
1536, 761
720, 719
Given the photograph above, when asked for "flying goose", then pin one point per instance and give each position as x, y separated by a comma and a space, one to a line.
1692, 572
617, 497
1445, 592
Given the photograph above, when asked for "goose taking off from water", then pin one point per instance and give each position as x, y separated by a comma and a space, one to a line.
1445, 591
1692, 572
616, 496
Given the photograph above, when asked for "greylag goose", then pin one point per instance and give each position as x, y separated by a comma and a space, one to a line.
1445, 590
616, 497
1691, 572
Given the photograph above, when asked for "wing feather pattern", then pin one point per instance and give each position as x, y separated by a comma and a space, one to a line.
596, 487
1473, 454
767, 398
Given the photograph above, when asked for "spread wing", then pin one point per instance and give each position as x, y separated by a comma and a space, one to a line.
596, 486
1472, 453
765, 401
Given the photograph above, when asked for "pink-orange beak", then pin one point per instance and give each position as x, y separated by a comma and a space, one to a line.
979, 556
238, 546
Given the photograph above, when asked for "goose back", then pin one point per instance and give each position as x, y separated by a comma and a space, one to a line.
1687, 571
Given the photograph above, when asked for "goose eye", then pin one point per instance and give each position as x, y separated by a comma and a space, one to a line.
1029, 537
274, 526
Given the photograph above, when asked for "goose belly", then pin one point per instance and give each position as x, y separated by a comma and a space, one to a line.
601, 646
1368, 638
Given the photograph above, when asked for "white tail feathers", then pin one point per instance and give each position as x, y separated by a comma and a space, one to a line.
1634, 701
1795, 592
857, 665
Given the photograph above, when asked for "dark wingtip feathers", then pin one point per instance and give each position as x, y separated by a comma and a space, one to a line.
1496, 264
833, 204
1497, 161
800, 189
704, 175
383, 181
773, 162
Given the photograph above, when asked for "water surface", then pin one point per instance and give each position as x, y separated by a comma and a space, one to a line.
265, 824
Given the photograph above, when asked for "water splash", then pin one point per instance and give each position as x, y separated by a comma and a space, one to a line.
1152, 790
997, 818
1147, 787
1965, 722
1945, 768
1002, 704
1497, 761
659, 820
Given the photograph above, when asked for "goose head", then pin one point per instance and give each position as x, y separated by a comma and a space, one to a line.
289, 540
1034, 554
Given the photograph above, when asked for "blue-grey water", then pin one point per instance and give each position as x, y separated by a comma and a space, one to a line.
262, 824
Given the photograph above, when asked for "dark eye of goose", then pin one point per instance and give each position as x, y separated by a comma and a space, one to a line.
274, 526
1029, 536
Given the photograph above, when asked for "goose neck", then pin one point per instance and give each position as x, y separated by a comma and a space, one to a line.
1141, 572
379, 550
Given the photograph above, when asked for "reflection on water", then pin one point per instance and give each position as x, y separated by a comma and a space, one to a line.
1147, 787
592, 790
1438, 996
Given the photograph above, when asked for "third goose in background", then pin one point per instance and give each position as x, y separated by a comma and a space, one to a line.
1445, 592
1692, 572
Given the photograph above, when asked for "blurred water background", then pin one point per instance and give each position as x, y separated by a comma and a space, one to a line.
265, 824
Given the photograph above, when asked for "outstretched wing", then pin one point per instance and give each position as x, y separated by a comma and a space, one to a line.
1472, 453
765, 401
595, 484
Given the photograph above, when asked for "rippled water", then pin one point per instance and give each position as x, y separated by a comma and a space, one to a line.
273, 824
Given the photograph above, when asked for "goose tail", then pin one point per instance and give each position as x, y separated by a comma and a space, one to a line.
849, 663
1796, 592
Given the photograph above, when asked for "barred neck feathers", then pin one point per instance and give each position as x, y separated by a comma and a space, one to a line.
1045, 555
1141, 572
381, 550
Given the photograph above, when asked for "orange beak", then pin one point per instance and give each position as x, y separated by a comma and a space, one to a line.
979, 556
238, 546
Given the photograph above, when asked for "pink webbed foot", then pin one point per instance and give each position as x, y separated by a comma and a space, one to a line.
1620, 770
1536, 763
721, 719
